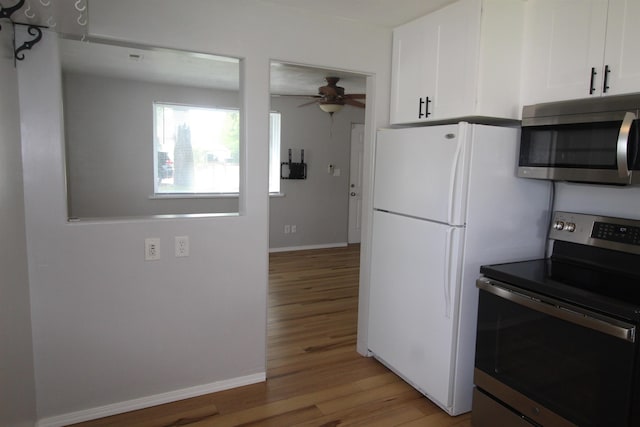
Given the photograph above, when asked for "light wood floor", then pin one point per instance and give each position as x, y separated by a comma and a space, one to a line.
315, 377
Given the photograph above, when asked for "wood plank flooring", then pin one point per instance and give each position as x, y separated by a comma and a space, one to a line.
315, 377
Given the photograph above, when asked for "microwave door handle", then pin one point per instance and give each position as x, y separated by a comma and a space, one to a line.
623, 145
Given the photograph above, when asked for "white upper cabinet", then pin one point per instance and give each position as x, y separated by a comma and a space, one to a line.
621, 54
463, 60
580, 49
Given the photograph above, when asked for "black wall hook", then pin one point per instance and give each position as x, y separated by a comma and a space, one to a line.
32, 29
6, 12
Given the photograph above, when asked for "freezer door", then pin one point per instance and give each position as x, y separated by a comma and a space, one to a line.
414, 289
420, 172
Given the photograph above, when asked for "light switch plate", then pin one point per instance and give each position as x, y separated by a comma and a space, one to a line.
152, 249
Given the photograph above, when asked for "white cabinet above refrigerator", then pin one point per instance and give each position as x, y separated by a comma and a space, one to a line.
460, 61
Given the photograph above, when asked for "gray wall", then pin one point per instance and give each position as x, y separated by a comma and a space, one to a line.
607, 200
319, 205
109, 137
17, 393
112, 332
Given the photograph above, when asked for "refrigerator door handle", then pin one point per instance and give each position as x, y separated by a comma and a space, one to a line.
447, 272
453, 178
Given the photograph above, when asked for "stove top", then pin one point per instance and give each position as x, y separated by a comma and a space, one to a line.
595, 264
610, 293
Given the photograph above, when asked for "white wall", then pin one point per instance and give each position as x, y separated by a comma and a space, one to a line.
112, 332
319, 205
17, 393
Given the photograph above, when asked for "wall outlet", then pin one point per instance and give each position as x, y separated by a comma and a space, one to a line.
182, 246
287, 229
152, 249
293, 228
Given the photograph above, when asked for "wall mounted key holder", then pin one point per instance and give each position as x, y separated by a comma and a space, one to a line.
291, 170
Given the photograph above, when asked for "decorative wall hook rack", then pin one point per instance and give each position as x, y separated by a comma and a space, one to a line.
33, 30
291, 170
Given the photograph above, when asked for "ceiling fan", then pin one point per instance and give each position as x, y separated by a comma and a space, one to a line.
331, 98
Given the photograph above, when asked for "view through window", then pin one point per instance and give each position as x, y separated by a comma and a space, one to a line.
197, 150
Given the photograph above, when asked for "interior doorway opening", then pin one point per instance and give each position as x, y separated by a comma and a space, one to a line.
314, 229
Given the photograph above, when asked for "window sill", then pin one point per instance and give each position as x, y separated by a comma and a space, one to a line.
170, 196
193, 196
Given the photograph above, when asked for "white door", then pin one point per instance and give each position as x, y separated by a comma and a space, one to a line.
412, 301
355, 183
419, 172
621, 52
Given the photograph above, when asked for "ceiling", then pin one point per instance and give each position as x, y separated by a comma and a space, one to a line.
385, 13
71, 17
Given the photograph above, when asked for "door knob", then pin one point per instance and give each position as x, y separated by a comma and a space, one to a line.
353, 193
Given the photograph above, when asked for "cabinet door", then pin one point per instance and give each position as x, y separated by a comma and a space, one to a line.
565, 41
414, 70
436, 56
456, 60
621, 51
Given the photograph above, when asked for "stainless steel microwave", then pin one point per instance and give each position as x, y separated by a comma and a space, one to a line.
592, 140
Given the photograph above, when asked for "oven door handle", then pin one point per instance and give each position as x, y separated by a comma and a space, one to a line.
622, 149
560, 310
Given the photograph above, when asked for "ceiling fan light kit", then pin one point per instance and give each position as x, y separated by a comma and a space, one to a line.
330, 108
331, 98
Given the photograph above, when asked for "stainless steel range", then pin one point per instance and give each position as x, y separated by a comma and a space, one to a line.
557, 338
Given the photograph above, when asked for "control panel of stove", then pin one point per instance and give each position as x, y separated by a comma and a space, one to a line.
567, 226
607, 232
616, 232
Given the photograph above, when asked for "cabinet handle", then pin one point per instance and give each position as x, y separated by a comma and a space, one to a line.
592, 88
605, 86
426, 108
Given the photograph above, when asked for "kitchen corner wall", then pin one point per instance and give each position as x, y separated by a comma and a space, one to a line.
319, 205
17, 393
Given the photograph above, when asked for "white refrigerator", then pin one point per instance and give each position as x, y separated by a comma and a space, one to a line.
446, 200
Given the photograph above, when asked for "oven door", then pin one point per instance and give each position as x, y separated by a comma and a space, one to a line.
554, 363
601, 149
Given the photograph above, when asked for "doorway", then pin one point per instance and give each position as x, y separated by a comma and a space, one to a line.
315, 210
314, 260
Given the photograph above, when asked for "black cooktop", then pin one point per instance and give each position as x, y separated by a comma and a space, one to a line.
596, 286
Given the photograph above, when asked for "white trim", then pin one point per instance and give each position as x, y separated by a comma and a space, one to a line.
304, 248
146, 402
161, 196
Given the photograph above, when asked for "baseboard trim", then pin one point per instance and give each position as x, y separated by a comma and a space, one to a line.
307, 247
146, 402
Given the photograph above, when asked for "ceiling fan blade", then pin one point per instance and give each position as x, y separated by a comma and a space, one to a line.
297, 96
354, 103
315, 101
355, 96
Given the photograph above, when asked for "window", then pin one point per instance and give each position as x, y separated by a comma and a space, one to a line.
197, 150
274, 153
